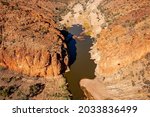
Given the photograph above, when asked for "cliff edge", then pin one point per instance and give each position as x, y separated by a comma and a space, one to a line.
29, 41
123, 70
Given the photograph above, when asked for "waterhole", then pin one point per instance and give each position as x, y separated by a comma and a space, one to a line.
81, 64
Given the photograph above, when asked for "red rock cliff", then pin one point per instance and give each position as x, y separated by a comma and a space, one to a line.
29, 40
123, 70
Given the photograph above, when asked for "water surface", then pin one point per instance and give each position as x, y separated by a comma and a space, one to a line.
83, 66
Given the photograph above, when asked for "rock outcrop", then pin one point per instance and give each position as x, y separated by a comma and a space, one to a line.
29, 41
123, 70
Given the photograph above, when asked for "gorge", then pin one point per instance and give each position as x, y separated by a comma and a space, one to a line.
117, 31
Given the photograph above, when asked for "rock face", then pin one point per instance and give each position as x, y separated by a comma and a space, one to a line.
29, 40
123, 70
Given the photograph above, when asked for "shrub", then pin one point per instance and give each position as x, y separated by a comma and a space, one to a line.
2, 68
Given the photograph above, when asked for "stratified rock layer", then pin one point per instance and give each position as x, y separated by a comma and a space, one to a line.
30, 42
123, 70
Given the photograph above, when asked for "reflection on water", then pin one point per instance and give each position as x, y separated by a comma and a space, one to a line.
83, 66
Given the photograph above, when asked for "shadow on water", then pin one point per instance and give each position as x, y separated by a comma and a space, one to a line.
81, 66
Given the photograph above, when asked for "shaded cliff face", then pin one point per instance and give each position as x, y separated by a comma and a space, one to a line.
124, 46
30, 43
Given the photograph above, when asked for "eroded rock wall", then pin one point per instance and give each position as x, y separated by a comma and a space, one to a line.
124, 47
30, 42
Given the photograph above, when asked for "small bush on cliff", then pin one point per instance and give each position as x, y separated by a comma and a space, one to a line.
36, 89
1, 38
129, 23
2, 68
4, 2
7, 91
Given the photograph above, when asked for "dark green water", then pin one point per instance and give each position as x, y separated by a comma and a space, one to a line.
83, 67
